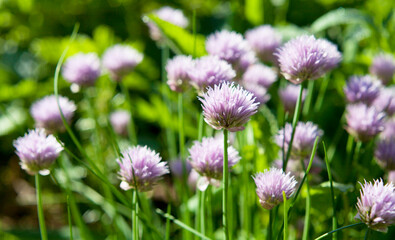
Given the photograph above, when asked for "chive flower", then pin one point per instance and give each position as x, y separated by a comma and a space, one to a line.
383, 67
120, 121
178, 70
227, 106
120, 60
82, 69
386, 100
362, 89
376, 205
264, 40
37, 151
206, 158
140, 168
385, 153
261, 75
46, 114
289, 96
307, 58
270, 186
364, 122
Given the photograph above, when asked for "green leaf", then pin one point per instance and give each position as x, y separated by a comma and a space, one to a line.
339, 186
341, 16
180, 40
254, 11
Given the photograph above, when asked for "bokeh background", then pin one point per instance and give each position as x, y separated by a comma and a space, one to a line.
33, 34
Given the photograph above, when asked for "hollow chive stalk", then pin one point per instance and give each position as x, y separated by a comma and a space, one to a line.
339, 229
40, 212
225, 187
134, 216
334, 219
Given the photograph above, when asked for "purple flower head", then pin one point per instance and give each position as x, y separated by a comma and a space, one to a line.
306, 58
261, 75
389, 129
264, 41
260, 93
46, 114
376, 205
231, 47
141, 167
120, 121
178, 70
305, 135
386, 100
385, 153
228, 106
176, 168
270, 186
391, 177
207, 158
37, 151
364, 122
210, 71
362, 89
289, 97
168, 14
383, 67
120, 60
82, 69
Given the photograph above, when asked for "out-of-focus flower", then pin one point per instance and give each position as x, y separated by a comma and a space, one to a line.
207, 158
37, 151
176, 167
210, 71
264, 41
383, 67
270, 186
305, 135
385, 153
389, 129
362, 89
178, 70
120, 60
82, 69
46, 114
391, 177
364, 122
231, 47
260, 93
168, 14
260, 74
227, 106
119, 121
141, 168
376, 205
289, 96
386, 100
307, 58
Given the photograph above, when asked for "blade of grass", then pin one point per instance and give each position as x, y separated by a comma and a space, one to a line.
339, 229
285, 216
69, 217
334, 219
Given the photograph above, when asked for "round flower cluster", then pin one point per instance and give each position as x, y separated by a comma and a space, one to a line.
383, 67
82, 69
362, 89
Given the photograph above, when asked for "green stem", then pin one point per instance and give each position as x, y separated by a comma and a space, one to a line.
69, 217
167, 236
209, 212
40, 212
357, 150
269, 226
328, 168
367, 234
200, 126
339, 229
307, 214
285, 216
225, 186
321, 94
309, 97
294, 123
134, 216
131, 126
202, 212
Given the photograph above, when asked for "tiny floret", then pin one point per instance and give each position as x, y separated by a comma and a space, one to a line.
270, 186
362, 89
82, 69
227, 106
264, 40
120, 60
383, 67
46, 114
210, 71
140, 168
307, 58
289, 96
37, 151
207, 158
120, 121
178, 70
304, 138
364, 122
376, 205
